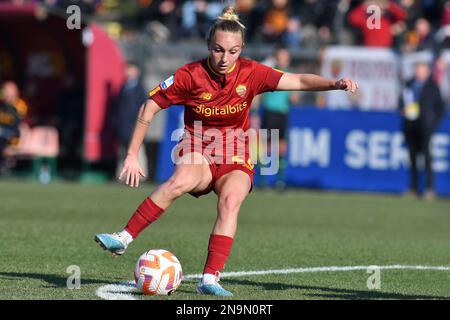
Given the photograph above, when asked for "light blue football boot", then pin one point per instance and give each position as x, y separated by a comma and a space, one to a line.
212, 287
115, 243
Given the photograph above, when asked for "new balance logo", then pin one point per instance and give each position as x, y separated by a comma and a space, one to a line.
206, 96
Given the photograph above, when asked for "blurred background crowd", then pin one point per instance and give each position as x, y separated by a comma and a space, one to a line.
407, 25
157, 36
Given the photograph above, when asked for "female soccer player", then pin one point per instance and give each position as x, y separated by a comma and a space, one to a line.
217, 91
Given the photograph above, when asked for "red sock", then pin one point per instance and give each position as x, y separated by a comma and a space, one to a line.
218, 251
145, 214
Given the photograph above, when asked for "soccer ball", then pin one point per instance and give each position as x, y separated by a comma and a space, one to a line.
157, 271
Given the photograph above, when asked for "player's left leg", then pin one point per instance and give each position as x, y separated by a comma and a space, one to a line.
232, 188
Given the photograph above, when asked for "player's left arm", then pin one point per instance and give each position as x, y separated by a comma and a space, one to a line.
312, 82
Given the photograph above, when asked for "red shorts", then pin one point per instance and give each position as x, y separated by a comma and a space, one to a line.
218, 170
217, 165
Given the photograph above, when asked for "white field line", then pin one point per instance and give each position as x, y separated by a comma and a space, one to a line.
317, 269
117, 291
125, 290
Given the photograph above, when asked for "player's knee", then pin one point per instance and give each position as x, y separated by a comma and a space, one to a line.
230, 203
177, 186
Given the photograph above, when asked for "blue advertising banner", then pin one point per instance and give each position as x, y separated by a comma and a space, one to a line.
356, 150
340, 150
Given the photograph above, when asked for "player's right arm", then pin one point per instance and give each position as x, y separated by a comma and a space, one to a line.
131, 166
174, 90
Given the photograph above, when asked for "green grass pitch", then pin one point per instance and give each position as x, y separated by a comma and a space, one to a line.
45, 229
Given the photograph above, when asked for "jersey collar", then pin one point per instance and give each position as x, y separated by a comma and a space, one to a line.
215, 73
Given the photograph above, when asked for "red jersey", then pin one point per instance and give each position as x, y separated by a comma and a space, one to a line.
218, 101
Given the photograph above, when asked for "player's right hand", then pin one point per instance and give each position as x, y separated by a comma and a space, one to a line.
133, 171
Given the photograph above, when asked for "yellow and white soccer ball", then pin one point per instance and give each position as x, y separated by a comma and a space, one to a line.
158, 271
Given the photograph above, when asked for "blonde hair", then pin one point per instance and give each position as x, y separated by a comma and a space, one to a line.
227, 21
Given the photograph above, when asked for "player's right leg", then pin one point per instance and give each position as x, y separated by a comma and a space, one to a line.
189, 176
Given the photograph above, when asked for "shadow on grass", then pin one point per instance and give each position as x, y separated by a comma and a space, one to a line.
55, 281
332, 293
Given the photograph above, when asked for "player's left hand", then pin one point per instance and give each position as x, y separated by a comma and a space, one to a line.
346, 84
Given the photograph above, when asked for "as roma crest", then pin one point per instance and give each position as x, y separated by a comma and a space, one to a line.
241, 90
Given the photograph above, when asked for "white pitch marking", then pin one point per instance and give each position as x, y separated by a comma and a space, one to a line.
118, 291
318, 269
125, 290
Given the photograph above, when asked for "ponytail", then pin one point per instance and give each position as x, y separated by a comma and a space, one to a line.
227, 21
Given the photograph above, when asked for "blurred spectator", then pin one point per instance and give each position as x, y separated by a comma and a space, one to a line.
377, 33
131, 97
445, 17
11, 95
292, 37
197, 17
317, 17
341, 33
421, 38
70, 118
9, 130
12, 122
275, 108
160, 18
442, 37
431, 10
251, 13
413, 12
276, 20
422, 108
